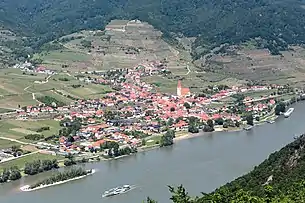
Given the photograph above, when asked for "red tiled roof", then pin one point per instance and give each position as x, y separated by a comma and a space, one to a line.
98, 143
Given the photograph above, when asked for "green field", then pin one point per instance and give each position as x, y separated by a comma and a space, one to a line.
16, 129
152, 140
63, 56
258, 94
2, 110
4, 144
89, 91
12, 88
55, 95
16, 89
162, 84
14, 101
21, 161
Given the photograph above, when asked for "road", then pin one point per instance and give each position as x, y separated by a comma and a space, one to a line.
13, 158
33, 94
188, 69
18, 141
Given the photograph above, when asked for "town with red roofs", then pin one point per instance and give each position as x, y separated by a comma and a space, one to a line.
136, 116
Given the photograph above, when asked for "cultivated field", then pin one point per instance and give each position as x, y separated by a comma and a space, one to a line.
16, 129
259, 65
17, 88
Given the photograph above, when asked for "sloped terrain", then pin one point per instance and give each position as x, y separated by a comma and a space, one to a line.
259, 65
279, 22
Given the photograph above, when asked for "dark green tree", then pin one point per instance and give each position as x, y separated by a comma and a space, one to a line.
249, 119
168, 138
179, 195
280, 108
209, 127
148, 200
187, 105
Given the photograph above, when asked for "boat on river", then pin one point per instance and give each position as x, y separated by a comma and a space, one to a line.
117, 190
289, 112
249, 127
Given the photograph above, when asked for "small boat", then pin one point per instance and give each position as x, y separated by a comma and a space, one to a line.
289, 112
270, 121
248, 128
117, 191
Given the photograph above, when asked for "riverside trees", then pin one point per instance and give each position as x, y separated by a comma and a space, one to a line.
31, 168
12, 173
38, 166
249, 119
114, 149
280, 108
168, 138
193, 125
62, 176
209, 127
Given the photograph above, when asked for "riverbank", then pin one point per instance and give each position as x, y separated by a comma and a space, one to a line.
187, 135
27, 188
183, 135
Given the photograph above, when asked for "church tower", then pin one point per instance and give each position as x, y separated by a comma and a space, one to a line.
179, 88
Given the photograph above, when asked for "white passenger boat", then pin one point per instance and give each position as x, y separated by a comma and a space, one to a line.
117, 190
289, 112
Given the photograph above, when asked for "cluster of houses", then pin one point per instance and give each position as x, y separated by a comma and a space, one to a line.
136, 106
30, 68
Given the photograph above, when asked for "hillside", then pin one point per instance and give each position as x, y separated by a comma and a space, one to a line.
280, 178
11, 47
278, 22
125, 44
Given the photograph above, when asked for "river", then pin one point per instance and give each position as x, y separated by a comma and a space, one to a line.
201, 164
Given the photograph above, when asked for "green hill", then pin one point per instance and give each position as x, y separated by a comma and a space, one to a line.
280, 178
278, 22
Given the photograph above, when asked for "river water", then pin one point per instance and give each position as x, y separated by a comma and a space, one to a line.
201, 164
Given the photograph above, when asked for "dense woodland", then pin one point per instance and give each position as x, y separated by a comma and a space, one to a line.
280, 178
277, 22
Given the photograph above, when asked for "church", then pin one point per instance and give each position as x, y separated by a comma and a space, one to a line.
181, 91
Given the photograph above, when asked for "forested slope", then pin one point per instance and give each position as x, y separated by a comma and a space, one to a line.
280, 22
280, 178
